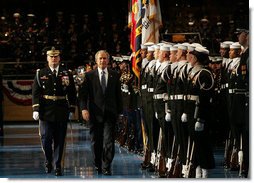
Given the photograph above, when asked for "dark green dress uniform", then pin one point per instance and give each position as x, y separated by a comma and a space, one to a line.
54, 97
198, 95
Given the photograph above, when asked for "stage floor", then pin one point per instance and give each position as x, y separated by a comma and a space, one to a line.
21, 157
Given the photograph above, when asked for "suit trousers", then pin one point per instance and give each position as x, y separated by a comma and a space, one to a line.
103, 142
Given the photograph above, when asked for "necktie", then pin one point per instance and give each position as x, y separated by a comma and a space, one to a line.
103, 81
54, 73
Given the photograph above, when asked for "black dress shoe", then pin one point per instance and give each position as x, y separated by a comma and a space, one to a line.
58, 172
106, 172
143, 165
98, 169
48, 167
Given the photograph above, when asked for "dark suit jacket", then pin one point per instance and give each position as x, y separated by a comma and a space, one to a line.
100, 105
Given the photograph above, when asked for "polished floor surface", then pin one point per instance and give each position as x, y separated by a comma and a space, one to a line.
21, 157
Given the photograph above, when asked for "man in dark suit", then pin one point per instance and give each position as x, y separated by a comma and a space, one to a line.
101, 103
53, 98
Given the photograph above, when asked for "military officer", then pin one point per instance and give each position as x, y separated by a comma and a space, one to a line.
53, 102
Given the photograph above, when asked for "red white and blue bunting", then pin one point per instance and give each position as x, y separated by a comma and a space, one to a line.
18, 91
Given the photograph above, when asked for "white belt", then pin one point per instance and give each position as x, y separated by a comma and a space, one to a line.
166, 98
125, 90
192, 97
238, 91
222, 87
231, 91
150, 90
143, 87
176, 97
159, 96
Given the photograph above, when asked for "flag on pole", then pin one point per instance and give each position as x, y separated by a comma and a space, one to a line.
135, 24
151, 21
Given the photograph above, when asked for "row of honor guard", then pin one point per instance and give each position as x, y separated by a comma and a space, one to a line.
191, 101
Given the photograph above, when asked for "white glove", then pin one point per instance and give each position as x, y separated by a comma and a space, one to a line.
240, 157
168, 117
184, 171
169, 163
199, 126
36, 115
71, 116
184, 118
156, 115
153, 158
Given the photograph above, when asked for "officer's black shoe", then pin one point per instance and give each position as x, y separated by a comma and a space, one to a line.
151, 168
48, 167
98, 169
143, 166
106, 172
58, 172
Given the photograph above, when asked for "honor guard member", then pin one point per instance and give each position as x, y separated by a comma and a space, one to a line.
167, 78
53, 98
152, 122
240, 102
224, 53
126, 79
230, 77
141, 95
147, 108
220, 126
160, 92
234, 55
177, 101
198, 95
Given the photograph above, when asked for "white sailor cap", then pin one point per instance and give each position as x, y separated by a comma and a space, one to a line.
196, 45
173, 48
226, 44
235, 45
165, 47
182, 47
16, 15
148, 43
156, 47
186, 44
150, 48
191, 47
143, 46
215, 59
159, 44
204, 20
203, 50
